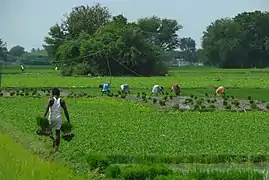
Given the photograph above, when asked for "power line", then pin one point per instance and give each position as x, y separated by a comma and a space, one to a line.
90, 55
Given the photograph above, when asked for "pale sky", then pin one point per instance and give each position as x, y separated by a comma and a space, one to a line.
26, 22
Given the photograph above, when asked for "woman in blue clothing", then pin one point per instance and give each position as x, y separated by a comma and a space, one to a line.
105, 88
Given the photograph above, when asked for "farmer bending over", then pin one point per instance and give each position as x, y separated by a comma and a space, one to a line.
55, 106
156, 90
105, 88
220, 91
125, 88
176, 88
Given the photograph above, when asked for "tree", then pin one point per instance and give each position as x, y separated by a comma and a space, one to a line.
3, 49
120, 45
54, 40
86, 19
161, 32
16, 51
188, 49
37, 57
238, 42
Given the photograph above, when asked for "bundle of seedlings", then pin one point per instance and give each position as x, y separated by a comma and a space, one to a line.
43, 126
66, 129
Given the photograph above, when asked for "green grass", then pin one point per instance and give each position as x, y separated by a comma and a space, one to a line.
17, 163
187, 77
123, 128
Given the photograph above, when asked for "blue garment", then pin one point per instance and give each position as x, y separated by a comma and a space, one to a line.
106, 87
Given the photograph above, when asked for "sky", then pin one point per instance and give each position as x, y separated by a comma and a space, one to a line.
27, 22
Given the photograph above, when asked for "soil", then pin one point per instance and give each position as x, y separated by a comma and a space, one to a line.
176, 103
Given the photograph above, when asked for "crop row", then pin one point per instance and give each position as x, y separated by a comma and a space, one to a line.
186, 80
127, 129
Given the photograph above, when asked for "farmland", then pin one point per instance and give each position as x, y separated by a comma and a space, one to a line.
128, 131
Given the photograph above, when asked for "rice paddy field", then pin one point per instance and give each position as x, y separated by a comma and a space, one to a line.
136, 136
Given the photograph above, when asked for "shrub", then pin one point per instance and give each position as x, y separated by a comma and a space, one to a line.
98, 161
123, 96
149, 98
212, 106
206, 95
138, 95
251, 102
232, 97
1, 94
249, 97
192, 96
195, 97
267, 106
154, 100
208, 100
12, 93
165, 98
171, 97
225, 103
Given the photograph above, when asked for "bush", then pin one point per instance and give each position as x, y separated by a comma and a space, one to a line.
267, 106
253, 106
123, 96
154, 100
249, 97
113, 171
138, 95
225, 103
1, 94
206, 95
98, 161
251, 102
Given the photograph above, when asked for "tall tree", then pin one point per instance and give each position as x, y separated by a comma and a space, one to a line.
161, 32
86, 18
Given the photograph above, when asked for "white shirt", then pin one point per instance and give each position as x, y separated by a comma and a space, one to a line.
22, 67
55, 111
124, 86
155, 89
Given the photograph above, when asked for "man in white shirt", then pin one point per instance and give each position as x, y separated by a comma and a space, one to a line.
157, 89
125, 88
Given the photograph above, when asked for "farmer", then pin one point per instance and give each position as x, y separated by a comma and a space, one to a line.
176, 88
54, 108
22, 68
156, 90
220, 91
105, 88
125, 88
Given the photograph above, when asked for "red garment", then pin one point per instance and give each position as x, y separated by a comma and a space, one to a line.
176, 87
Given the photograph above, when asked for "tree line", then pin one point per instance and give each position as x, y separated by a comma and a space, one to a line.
92, 41
238, 42
17, 54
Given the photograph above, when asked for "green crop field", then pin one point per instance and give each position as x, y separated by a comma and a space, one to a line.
16, 163
127, 131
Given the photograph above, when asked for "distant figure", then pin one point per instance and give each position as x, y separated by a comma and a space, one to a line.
176, 89
125, 88
105, 88
56, 68
157, 89
22, 68
220, 91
